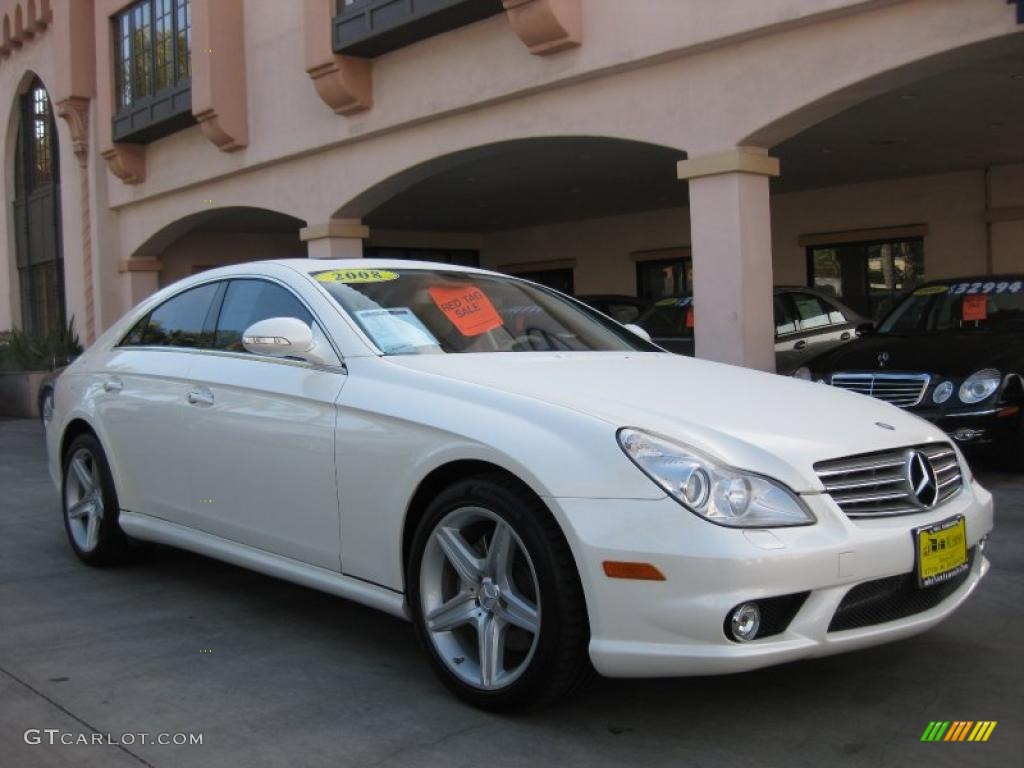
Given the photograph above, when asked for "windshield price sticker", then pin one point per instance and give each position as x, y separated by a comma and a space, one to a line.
350, 276
1003, 286
467, 307
396, 330
975, 307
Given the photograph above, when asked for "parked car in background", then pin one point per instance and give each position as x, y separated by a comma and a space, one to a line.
621, 308
951, 352
535, 487
807, 322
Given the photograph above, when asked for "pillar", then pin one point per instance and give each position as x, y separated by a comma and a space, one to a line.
730, 233
335, 239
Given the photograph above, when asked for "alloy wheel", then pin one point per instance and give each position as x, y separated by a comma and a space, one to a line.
480, 598
83, 499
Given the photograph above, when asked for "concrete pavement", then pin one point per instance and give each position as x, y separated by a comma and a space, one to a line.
273, 674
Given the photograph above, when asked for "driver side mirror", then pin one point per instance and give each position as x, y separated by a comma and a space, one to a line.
865, 329
286, 337
638, 331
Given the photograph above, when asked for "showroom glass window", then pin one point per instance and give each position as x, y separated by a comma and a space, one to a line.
870, 277
249, 301
153, 42
561, 280
185, 320
660, 278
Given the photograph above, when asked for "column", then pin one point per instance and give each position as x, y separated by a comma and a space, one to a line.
731, 237
142, 278
335, 239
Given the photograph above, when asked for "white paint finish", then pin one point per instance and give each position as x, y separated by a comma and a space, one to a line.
152, 529
291, 475
143, 425
276, 422
730, 225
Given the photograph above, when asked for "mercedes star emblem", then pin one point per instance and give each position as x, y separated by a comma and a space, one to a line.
921, 481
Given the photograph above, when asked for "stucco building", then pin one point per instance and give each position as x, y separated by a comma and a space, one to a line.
651, 147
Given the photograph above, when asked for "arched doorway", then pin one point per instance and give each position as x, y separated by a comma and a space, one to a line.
37, 213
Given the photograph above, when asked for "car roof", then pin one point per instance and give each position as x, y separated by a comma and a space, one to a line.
977, 278
319, 265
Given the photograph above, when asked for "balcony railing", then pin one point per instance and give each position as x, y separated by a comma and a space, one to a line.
370, 28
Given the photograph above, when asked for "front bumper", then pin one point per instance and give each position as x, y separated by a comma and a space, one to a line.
675, 627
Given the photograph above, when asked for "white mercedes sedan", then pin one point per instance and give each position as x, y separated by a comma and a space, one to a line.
540, 490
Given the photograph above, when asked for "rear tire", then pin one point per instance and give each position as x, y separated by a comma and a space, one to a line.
496, 599
91, 508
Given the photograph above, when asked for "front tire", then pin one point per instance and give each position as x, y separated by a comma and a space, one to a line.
496, 598
91, 507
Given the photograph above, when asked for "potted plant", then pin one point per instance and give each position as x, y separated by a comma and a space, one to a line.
28, 362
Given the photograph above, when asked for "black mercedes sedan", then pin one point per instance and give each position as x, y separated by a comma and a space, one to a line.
952, 352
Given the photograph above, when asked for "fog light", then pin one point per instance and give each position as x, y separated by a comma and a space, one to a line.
965, 435
745, 621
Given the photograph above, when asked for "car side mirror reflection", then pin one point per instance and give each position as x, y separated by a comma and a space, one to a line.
283, 337
637, 330
865, 329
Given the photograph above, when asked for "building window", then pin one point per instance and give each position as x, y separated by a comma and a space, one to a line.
659, 278
869, 277
558, 279
152, 68
39, 169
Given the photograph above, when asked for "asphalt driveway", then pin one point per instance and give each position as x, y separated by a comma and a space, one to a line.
272, 674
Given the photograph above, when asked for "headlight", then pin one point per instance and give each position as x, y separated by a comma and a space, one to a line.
980, 385
942, 392
716, 492
803, 372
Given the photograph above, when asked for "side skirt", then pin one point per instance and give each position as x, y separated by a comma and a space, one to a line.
153, 529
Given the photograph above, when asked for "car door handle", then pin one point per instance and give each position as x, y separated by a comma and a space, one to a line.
845, 336
113, 385
802, 344
200, 396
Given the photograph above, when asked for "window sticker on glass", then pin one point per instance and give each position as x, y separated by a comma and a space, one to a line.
396, 330
975, 307
930, 290
1003, 286
349, 276
468, 308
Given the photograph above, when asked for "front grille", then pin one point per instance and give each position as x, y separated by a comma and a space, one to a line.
876, 484
892, 598
903, 389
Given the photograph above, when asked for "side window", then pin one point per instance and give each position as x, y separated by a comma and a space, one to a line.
181, 321
835, 315
134, 337
812, 313
249, 301
784, 322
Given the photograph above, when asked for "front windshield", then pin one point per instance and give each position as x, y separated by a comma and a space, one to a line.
424, 311
996, 305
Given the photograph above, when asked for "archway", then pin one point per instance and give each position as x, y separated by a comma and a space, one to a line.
37, 218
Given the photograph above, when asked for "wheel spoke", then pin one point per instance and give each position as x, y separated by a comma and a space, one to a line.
83, 475
500, 554
469, 567
460, 610
491, 636
92, 532
80, 508
519, 611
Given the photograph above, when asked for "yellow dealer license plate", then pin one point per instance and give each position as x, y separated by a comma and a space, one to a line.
941, 551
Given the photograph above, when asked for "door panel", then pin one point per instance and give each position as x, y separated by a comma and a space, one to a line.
260, 436
140, 398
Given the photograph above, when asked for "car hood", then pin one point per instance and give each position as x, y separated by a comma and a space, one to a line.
762, 422
950, 354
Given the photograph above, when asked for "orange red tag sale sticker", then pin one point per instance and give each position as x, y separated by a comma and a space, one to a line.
975, 307
468, 308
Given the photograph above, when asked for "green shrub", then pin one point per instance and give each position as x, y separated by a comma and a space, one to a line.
20, 351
